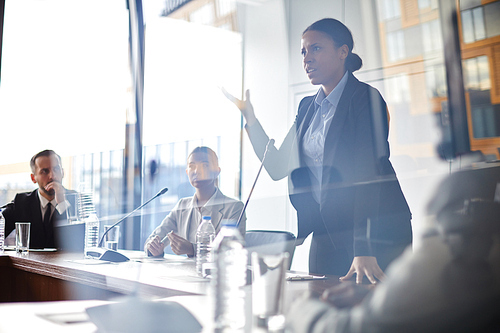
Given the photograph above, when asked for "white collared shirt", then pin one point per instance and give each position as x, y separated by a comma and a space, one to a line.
313, 142
61, 207
199, 212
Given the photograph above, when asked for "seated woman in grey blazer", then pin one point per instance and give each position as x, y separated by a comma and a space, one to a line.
181, 223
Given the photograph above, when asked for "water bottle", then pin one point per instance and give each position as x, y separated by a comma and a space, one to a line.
229, 279
91, 231
2, 232
204, 237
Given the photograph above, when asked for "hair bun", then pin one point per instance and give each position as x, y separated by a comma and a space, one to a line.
353, 62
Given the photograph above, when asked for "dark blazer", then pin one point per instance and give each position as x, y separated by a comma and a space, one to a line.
362, 210
26, 208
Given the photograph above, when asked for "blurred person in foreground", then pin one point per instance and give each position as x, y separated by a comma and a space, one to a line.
182, 222
451, 283
44, 207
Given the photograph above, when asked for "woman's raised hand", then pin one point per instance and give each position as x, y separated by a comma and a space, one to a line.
245, 106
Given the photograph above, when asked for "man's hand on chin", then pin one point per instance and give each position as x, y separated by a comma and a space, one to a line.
55, 189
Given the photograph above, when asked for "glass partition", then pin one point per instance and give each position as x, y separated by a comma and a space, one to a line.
66, 86
190, 54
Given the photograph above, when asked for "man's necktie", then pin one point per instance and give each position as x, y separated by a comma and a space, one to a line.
46, 216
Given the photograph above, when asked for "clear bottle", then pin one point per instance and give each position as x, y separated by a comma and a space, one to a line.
91, 231
2, 232
204, 237
229, 279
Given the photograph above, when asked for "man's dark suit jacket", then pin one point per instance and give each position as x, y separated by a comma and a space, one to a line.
26, 208
362, 210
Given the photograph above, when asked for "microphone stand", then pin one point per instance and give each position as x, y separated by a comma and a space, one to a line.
111, 255
270, 142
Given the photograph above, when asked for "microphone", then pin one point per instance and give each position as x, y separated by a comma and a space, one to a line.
111, 255
270, 142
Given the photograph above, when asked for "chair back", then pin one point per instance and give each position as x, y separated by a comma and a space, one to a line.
270, 242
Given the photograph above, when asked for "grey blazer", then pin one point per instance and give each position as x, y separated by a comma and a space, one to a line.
181, 219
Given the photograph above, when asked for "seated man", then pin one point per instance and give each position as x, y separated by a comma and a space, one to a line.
43, 207
182, 222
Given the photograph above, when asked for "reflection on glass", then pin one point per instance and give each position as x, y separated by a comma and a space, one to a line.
436, 80
225, 7
467, 28
72, 209
485, 116
203, 15
470, 74
427, 4
473, 25
389, 9
477, 73
399, 87
395, 45
491, 15
484, 73
479, 32
424, 3
431, 36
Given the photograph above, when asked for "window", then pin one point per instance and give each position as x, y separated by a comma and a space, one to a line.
395, 46
389, 9
468, 4
491, 15
398, 89
427, 4
225, 7
485, 115
436, 81
203, 15
65, 82
186, 64
477, 74
473, 25
431, 36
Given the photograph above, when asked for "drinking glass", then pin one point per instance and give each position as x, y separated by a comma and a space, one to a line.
268, 272
112, 237
22, 237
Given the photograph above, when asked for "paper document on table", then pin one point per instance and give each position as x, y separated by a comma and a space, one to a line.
66, 318
47, 249
184, 278
303, 277
90, 261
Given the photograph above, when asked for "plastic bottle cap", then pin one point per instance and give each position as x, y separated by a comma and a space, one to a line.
229, 223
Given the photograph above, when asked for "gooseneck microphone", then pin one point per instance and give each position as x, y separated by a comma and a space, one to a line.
163, 191
110, 255
270, 142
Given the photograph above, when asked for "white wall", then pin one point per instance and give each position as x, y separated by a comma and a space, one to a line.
266, 75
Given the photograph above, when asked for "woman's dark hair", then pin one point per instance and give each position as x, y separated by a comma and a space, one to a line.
204, 150
340, 35
212, 156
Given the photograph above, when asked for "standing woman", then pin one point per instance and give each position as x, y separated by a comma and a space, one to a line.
336, 157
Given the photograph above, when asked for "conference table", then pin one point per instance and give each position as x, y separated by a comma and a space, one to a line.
51, 291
